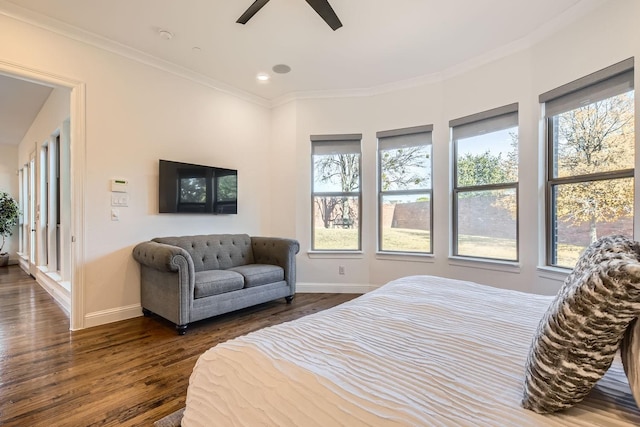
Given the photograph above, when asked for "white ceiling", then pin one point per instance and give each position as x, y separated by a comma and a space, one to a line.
381, 45
20, 103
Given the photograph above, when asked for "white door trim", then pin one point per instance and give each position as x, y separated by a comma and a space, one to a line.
78, 165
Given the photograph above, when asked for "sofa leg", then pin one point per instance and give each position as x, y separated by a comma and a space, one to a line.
146, 313
289, 299
181, 329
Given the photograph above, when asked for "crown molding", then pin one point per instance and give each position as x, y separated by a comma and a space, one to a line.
559, 22
47, 23
569, 16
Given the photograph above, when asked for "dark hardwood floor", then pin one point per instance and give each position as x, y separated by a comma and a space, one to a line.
129, 373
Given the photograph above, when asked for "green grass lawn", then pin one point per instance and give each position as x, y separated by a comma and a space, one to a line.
336, 239
394, 239
487, 247
407, 240
568, 254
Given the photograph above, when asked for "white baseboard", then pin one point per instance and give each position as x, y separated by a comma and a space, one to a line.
333, 288
61, 295
103, 317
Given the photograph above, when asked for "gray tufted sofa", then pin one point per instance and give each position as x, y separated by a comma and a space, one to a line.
190, 278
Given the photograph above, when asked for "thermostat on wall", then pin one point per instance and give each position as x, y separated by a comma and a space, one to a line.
119, 185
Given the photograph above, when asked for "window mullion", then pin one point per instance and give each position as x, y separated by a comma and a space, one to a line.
487, 187
603, 176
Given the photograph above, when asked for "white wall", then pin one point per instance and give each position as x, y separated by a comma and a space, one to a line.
135, 115
600, 39
54, 111
283, 162
9, 184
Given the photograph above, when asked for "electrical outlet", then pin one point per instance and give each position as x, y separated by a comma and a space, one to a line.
341, 270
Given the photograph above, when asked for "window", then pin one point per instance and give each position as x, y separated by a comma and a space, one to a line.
45, 211
404, 190
485, 184
58, 201
22, 228
50, 206
336, 192
590, 161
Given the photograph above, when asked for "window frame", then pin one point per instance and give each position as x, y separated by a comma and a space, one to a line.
476, 119
381, 135
567, 94
329, 140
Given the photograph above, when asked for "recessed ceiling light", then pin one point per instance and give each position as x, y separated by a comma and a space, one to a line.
281, 68
263, 77
166, 35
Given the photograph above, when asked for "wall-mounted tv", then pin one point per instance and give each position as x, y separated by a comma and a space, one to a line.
188, 188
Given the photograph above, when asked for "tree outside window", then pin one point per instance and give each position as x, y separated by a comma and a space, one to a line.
591, 172
336, 192
405, 192
485, 191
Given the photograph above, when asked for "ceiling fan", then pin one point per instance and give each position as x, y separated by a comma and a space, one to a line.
322, 8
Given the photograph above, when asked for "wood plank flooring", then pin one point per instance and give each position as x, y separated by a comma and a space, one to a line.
129, 373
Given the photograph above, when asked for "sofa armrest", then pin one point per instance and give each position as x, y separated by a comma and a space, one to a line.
167, 280
161, 257
277, 251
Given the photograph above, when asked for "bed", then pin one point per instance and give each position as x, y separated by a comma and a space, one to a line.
419, 351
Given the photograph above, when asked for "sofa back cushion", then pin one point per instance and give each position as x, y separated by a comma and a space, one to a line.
214, 251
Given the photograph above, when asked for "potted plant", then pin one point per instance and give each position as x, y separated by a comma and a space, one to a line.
8, 219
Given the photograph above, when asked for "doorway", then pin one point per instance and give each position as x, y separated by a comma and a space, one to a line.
52, 197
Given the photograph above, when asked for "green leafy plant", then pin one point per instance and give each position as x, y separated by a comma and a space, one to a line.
9, 212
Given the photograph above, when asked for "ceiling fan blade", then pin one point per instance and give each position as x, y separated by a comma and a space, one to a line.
252, 10
324, 9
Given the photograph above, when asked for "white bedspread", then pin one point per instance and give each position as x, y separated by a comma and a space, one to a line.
420, 351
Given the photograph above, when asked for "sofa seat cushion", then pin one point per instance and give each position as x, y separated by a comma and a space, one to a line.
259, 274
216, 282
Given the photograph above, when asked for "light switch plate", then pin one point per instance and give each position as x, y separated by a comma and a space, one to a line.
119, 199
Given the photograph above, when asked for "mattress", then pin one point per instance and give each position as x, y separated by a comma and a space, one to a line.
419, 351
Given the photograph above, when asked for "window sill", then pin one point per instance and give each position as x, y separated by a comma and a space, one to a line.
405, 256
553, 273
53, 275
485, 264
335, 254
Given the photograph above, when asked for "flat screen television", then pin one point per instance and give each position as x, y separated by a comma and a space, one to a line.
189, 188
